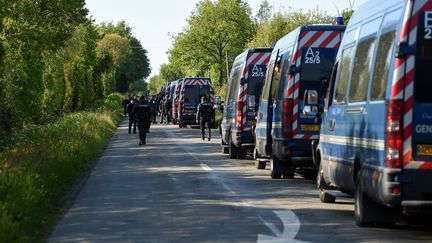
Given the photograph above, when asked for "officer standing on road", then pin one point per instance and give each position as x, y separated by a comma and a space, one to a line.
204, 116
132, 120
142, 112
125, 102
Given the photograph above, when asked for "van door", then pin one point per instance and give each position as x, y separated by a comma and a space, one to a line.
419, 166
316, 68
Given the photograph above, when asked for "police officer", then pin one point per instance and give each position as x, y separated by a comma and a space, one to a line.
125, 102
142, 112
132, 120
204, 116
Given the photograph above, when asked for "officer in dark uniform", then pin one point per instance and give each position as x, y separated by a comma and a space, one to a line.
132, 120
204, 116
125, 102
142, 112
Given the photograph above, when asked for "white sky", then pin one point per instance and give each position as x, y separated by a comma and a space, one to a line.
153, 20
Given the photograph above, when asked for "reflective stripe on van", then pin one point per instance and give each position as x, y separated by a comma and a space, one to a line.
403, 79
314, 39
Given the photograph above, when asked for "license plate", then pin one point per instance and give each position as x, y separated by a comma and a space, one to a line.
189, 111
424, 149
312, 128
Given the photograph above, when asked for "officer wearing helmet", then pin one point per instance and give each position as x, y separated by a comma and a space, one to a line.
204, 117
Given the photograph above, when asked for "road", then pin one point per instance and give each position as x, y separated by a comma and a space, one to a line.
178, 188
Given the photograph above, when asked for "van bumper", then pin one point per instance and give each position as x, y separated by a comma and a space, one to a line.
297, 151
244, 138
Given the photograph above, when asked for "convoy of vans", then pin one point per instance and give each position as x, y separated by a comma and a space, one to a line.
347, 105
297, 77
375, 139
241, 101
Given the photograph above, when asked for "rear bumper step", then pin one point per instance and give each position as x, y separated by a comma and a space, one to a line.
416, 203
244, 145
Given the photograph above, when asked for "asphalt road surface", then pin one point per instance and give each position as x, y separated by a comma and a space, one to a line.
178, 188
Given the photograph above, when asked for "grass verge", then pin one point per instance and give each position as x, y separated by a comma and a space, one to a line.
41, 163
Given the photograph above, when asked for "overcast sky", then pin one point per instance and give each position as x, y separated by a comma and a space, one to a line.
153, 20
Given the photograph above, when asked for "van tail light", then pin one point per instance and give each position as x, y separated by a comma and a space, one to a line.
238, 117
287, 118
393, 134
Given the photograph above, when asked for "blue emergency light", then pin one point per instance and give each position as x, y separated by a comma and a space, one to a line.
339, 20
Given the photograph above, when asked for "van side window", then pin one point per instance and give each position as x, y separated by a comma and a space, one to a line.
234, 84
344, 74
267, 82
275, 79
382, 65
360, 74
283, 76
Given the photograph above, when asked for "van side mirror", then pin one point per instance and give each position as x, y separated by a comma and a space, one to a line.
310, 99
404, 49
293, 69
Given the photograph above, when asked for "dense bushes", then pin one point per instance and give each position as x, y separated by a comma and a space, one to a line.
42, 161
54, 60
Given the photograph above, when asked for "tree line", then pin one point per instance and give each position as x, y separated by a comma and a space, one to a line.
217, 31
54, 60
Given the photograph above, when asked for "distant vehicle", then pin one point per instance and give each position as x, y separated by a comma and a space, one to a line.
295, 85
243, 93
176, 100
376, 137
191, 91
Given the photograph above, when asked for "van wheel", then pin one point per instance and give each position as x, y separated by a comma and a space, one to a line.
276, 168
310, 174
324, 196
225, 149
288, 173
369, 213
232, 150
260, 165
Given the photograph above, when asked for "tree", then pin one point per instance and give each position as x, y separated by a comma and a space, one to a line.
281, 24
214, 30
264, 12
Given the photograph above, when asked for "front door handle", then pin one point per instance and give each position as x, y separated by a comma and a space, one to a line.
332, 124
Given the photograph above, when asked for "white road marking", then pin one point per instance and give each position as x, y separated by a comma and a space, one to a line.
290, 222
291, 226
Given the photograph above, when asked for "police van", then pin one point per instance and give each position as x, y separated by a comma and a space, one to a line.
191, 91
241, 101
296, 81
376, 136
176, 99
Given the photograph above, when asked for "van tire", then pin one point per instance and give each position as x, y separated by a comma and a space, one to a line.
260, 165
369, 213
232, 150
276, 168
324, 196
241, 153
225, 150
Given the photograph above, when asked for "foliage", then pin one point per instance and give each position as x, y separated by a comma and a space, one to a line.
280, 24
264, 12
346, 14
42, 161
214, 30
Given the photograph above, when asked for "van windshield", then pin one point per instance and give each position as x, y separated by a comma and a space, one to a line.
423, 59
317, 63
190, 95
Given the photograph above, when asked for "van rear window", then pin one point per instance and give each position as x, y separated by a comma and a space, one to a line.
190, 95
317, 63
424, 59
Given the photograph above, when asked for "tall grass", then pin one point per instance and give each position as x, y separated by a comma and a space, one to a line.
40, 163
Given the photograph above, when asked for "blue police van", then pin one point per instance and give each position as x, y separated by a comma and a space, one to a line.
296, 80
242, 97
376, 133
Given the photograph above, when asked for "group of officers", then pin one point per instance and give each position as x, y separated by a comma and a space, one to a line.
142, 112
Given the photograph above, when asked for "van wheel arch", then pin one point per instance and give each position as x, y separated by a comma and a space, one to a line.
356, 168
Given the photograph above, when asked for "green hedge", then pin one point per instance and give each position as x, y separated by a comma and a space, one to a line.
40, 164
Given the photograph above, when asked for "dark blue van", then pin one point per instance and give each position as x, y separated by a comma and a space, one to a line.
296, 81
242, 97
376, 134
191, 91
